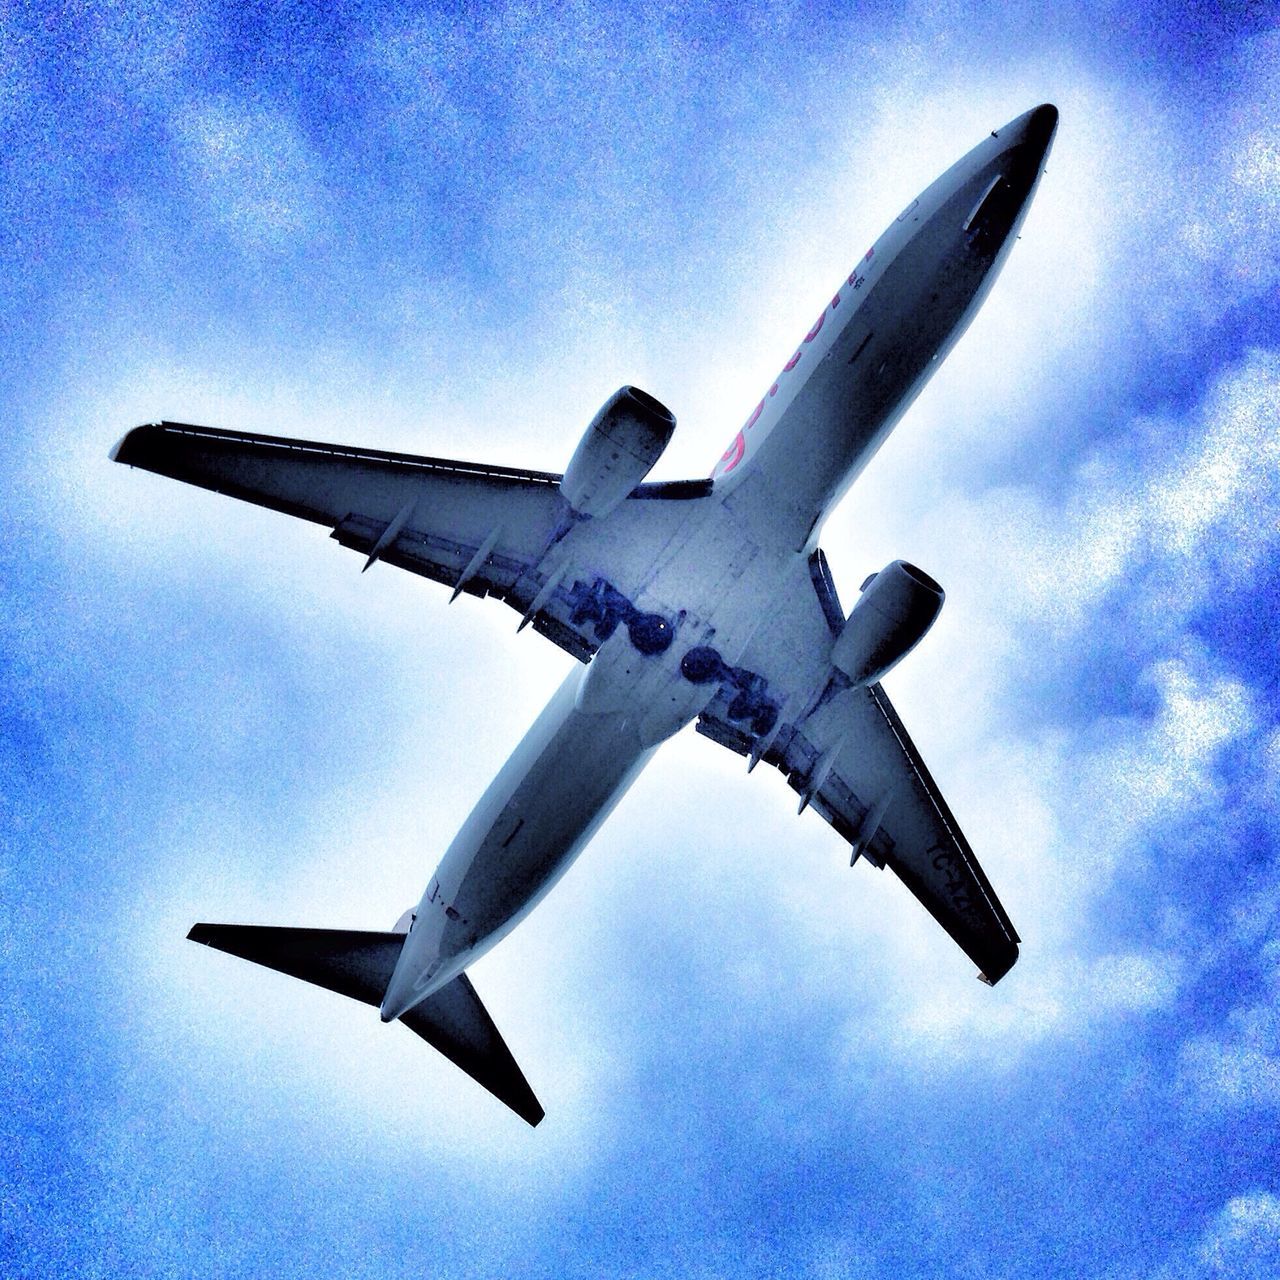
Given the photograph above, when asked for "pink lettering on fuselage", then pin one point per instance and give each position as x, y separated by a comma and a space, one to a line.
736, 451
853, 275
733, 454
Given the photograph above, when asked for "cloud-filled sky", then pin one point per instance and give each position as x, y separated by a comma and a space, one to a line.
454, 233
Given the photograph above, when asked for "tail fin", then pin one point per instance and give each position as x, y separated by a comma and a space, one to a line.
359, 965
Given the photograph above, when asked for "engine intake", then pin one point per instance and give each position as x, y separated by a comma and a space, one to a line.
619, 449
898, 605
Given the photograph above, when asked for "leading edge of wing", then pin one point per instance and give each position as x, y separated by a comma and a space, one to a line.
172, 449
158, 447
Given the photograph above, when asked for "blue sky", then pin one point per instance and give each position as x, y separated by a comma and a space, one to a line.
456, 233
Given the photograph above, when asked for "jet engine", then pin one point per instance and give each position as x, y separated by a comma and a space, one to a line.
619, 449
898, 605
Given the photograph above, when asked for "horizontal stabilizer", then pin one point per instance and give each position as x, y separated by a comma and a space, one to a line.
458, 1025
360, 965
353, 964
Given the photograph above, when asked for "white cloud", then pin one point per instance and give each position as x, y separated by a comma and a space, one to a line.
1231, 1073
1239, 1066
1172, 510
1245, 1239
1059, 996
1271, 760
1229, 230
1156, 772
1242, 1243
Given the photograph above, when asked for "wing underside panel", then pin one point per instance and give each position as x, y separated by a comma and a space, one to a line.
850, 759
482, 530
877, 795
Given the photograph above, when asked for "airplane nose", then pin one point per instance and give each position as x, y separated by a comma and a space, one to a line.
1033, 131
1041, 124
1023, 144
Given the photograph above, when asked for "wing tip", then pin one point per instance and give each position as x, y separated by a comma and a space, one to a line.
129, 448
119, 452
992, 973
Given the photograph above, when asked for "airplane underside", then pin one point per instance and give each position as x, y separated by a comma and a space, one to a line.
705, 601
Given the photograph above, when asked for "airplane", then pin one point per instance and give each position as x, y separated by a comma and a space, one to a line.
706, 601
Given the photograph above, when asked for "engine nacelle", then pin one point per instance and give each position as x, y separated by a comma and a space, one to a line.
898, 605
619, 449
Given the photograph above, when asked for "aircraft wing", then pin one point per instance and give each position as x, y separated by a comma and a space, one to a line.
854, 763
480, 529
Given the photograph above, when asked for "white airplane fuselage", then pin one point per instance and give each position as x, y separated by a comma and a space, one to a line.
868, 355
